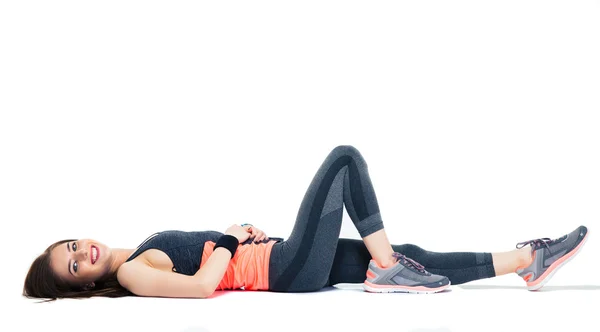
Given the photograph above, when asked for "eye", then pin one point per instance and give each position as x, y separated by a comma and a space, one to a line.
74, 246
75, 265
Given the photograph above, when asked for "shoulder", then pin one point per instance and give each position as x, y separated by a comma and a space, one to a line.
127, 273
139, 277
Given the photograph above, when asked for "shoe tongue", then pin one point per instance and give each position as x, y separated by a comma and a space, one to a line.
409, 265
406, 262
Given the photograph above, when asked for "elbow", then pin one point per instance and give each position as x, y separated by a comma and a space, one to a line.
205, 295
205, 292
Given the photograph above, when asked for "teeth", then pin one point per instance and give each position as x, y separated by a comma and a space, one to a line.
94, 254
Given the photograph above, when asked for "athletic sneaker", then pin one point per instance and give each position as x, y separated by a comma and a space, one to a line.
405, 276
550, 255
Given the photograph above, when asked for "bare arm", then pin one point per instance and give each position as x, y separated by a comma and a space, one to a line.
144, 280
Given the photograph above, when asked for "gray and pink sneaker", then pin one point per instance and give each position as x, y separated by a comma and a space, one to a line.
405, 276
549, 256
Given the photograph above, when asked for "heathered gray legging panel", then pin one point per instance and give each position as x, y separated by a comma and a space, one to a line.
302, 263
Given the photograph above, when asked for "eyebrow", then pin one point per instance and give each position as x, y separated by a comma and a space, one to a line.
69, 264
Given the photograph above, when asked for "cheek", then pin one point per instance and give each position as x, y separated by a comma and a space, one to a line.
92, 272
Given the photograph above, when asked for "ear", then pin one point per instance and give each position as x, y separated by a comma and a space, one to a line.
89, 286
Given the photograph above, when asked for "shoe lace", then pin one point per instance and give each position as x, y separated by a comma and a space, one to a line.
536, 243
409, 262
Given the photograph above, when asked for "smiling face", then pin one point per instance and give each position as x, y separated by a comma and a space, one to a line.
81, 262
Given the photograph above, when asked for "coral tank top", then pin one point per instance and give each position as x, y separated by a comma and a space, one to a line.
248, 269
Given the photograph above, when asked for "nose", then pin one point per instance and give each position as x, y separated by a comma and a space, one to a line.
81, 255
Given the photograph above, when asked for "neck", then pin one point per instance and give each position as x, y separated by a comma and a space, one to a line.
119, 257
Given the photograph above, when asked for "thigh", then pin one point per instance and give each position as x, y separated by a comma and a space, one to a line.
303, 262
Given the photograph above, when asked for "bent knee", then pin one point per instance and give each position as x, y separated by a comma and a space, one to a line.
346, 149
352, 152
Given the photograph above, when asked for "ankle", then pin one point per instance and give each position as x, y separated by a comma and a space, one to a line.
525, 257
390, 261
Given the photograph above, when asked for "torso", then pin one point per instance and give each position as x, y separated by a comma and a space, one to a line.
177, 251
174, 251
185, 252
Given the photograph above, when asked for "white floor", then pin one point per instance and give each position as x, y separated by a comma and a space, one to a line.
499, 304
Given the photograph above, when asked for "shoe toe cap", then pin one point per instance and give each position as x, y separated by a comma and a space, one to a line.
438, 281
444, 281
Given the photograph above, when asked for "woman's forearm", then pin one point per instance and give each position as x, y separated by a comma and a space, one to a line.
212, 272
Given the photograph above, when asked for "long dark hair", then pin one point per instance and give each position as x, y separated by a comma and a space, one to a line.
42, 282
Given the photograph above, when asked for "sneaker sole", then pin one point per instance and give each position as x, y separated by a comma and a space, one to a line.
373, 288
536, 285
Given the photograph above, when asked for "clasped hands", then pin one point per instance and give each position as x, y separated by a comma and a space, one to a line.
255, 233
245, 232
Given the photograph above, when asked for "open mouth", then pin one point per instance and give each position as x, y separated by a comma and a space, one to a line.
95, 254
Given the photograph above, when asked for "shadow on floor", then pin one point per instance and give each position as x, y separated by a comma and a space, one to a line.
544, 289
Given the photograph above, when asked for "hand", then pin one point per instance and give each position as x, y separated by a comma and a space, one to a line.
257, 234
239, 232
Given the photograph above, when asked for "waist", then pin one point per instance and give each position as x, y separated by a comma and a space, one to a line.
248, 269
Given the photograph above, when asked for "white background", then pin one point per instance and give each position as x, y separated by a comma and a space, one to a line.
478, 120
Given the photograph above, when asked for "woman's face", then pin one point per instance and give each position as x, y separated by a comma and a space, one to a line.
81, 262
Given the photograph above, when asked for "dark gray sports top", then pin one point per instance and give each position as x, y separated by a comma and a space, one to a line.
183, 248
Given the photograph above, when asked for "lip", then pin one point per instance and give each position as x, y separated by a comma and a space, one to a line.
92, 255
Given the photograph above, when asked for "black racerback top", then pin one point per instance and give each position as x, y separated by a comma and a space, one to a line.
183, 248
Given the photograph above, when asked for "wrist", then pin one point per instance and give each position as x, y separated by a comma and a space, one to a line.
228, 242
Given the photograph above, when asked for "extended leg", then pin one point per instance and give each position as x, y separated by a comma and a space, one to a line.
352, 260
536, 261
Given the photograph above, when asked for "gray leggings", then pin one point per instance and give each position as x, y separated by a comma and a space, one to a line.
305, 261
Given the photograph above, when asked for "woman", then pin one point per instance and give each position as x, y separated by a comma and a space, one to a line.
195, 264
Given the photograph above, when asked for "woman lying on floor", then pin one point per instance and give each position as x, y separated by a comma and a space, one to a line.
195, 264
